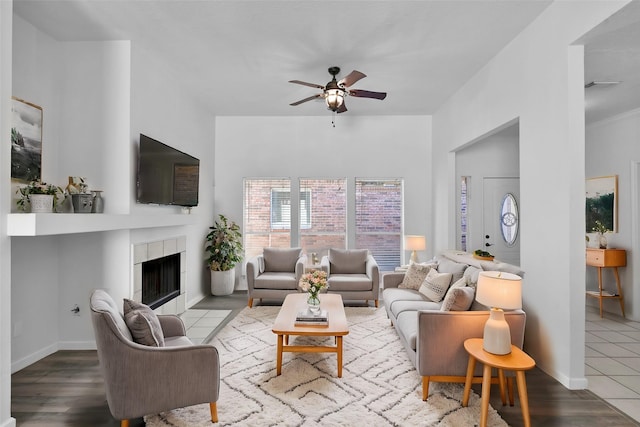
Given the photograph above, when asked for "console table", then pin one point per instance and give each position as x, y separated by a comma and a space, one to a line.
607, 258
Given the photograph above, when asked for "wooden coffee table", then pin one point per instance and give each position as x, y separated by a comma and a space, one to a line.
285, 325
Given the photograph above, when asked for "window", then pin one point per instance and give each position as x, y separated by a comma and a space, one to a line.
267, 215
323, 214
280, 209
464, 204
379, 220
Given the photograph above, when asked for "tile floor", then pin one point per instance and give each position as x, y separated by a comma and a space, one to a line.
612, 360
202, 323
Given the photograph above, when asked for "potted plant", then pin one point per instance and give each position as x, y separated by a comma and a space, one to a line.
224, 250
42, 197
601, 229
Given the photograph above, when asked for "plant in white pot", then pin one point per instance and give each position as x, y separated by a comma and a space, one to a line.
40, 196
224, 250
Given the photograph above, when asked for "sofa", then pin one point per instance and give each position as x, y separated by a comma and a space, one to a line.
433, 330
274, 274
352, 273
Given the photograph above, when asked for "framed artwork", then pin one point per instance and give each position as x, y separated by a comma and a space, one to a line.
26, 141
602, 202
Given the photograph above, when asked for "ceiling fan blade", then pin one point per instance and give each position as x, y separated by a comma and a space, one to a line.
351, 78
299, 82
306, 99
358, 93
342, 108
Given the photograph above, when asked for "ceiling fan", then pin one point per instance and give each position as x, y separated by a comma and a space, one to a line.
335, 91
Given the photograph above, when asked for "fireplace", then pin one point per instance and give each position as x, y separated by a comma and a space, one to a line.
159, 274
160, 280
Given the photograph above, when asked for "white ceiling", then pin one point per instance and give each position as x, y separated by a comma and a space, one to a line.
612, 53
239, 55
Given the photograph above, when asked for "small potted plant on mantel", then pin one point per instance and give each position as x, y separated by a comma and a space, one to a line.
224, 250
42, 197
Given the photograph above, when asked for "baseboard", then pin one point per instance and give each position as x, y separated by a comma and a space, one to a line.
571, 383
77, 345
44, 352
10, 422
33, 357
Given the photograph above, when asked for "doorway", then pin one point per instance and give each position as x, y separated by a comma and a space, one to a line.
488, 169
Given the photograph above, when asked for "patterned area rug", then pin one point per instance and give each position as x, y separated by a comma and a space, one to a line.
379, 385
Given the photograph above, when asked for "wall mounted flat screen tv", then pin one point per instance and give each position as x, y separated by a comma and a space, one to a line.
166, 176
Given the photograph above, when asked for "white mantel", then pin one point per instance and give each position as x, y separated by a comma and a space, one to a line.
48, 224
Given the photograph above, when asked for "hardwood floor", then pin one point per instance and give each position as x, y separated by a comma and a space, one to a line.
66, 389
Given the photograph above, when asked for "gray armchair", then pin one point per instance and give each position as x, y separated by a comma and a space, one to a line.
274, 274
352, 273
142, 380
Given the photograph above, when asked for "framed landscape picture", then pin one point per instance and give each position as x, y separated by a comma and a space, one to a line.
602, 202
26, 141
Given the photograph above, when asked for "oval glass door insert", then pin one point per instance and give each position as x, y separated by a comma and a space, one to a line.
509, 219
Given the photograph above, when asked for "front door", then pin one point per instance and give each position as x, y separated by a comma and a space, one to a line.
501, 218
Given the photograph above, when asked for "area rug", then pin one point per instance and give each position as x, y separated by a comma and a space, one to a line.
379, 385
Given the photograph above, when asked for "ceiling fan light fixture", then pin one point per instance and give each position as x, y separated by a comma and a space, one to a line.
334, 98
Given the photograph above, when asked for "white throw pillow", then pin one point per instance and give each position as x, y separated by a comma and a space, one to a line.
414, 276
458, 299
435, 285
460, 283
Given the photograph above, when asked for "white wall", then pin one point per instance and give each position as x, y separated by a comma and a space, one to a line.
612, 148
34, 264
497, 155
91, 121
6, 29
295, 147
537, 78
161, 109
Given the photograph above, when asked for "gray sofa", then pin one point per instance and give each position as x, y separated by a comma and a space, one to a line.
352, 273
434, 338
274, 274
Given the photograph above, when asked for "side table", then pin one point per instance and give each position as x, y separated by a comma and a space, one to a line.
517, 361
607, 258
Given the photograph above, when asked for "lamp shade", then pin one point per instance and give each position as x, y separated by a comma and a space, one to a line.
497, 289
415, 243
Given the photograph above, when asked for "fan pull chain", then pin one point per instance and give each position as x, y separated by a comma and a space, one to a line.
333, 118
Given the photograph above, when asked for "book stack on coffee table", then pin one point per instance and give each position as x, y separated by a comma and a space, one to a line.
306, 317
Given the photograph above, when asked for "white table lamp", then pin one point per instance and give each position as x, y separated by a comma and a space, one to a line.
499, 291
414, 244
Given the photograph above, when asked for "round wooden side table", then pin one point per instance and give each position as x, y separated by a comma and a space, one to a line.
517, 361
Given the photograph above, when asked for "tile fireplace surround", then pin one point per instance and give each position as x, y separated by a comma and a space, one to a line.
148, 251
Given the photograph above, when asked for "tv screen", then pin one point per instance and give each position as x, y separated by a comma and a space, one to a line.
166, 176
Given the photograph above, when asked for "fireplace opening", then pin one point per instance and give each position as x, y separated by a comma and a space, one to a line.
160, 280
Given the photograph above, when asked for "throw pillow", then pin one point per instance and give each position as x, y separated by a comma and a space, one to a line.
348, 261
143, 324
281, 259
435, 285
456, 269
414, 276
458, 299
460, 283
471, 273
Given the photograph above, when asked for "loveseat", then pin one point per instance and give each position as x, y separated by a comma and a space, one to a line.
433, 332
